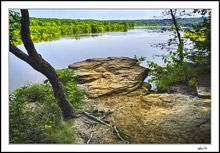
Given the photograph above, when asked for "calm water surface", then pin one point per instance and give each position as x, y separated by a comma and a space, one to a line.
74, 48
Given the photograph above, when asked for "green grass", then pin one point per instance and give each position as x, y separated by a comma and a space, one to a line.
62, 134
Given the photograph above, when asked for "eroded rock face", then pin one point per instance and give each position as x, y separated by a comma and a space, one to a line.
157, 118
103, 76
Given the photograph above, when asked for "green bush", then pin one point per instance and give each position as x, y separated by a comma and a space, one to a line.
42, 123
171, 74
28, 124
35, 92
73, 93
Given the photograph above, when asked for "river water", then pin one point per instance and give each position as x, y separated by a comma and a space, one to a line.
74, 48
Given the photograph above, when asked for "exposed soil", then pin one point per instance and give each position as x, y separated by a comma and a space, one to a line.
168, 118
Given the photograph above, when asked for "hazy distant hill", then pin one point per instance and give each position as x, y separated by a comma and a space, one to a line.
182, 22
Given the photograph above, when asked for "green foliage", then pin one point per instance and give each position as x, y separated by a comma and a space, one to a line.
14, 27
35, 92
90, 109
93, 123
163, 77
123, 135
73, 93
62, 134
31, 124
200, 35
173, 27
175, 71
194, 93
192, 82
43, 28
41, 123
185, 66
139, 59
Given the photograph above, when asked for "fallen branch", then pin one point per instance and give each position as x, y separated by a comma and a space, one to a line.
117, 132
106, 112
105, 122
94, 111
102, 117
96, 119
100, 113
88, 122
90, 137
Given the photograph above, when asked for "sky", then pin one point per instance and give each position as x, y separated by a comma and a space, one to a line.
98, 14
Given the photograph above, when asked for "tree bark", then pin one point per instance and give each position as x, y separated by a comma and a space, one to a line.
38, 63
178, 33
180, 43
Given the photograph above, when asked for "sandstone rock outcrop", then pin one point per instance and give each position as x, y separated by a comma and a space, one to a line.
103, 76
145, 117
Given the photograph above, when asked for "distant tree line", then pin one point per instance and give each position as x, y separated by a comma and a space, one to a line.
186, 22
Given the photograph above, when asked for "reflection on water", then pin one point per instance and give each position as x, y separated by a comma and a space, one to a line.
148, 29
71, 36
58, 37
64, 50
80, 36
40, 39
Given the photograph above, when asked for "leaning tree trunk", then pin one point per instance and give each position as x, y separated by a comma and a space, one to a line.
38, 63
178, 34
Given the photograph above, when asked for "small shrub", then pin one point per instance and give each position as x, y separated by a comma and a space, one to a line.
171, 74
74, 95
192, 82
28, 126
140, 59
66, 76
35, 92
44, 122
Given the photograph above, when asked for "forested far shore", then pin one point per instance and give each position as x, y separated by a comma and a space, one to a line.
46, 28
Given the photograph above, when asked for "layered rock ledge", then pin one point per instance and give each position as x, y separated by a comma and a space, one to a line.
103, 76
116, 84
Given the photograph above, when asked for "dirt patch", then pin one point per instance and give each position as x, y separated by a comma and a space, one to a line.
173, 118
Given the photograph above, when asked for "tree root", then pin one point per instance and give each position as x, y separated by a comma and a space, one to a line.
90, 137
117, 132
96, 119
104, 122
